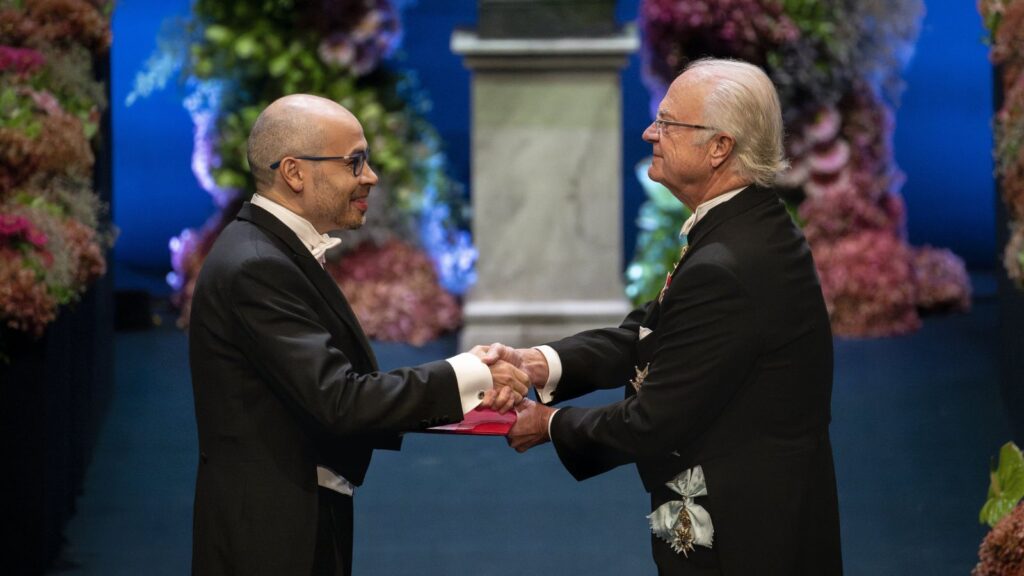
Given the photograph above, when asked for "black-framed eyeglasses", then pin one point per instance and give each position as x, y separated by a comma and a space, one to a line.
659, 125
358, 160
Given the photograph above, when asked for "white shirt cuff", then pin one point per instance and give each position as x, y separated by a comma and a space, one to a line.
473, 377
546, 393
550, 419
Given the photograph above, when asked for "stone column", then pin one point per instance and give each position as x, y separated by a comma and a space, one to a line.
546, 185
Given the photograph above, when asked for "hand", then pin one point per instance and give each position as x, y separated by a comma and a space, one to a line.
510, 385
530, 360
531, 427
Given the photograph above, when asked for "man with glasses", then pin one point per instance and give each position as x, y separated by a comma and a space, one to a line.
728, 373
289, 400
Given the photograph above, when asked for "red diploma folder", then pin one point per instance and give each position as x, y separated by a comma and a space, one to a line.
480, 422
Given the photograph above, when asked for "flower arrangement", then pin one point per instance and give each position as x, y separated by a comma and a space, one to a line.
25, 301
52, 239
1002, 551
836, 66
868, 284
1005, 22
240, 56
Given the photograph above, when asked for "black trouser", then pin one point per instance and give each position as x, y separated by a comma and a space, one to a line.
333, 556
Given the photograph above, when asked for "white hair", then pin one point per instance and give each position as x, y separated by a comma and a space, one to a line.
743, 103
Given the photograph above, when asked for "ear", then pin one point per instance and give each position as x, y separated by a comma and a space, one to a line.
721, 148
292, 174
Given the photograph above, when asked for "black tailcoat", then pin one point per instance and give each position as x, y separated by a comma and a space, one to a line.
285, 381
739, 382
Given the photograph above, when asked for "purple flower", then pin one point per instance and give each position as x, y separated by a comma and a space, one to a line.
361, 48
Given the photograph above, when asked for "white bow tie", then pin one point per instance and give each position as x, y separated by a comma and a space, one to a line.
325, 244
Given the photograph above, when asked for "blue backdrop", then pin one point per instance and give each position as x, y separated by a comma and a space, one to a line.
943, 136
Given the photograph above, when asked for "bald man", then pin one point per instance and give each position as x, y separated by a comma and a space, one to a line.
289, 400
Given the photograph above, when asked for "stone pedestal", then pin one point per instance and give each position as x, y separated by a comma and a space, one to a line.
546, 185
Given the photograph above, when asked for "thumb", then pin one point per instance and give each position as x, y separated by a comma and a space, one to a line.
491, 355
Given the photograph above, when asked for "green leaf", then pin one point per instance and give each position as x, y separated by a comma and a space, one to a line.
204, 68
1007, 485
218, 34
245, 46
279, 65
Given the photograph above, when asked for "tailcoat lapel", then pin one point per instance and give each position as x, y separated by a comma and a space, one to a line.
316, 274
750, 198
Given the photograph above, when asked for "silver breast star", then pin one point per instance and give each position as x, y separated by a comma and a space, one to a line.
641, 375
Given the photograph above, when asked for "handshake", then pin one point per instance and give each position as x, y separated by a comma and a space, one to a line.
514, 370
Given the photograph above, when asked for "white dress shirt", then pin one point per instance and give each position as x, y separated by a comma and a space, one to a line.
472, 375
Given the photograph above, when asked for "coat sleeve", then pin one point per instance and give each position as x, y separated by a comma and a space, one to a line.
707, 347
292, 349
598, 359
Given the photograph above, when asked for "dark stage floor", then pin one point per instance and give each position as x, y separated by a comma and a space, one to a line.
916, 420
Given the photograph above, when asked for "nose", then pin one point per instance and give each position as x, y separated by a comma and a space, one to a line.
368, 176
650, 133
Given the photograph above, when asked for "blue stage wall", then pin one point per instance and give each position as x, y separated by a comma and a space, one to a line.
943, 137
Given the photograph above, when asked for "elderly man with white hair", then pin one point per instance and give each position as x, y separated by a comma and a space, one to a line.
728, 373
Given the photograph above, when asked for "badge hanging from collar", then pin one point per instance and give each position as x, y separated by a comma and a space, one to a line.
668, 277
683, 523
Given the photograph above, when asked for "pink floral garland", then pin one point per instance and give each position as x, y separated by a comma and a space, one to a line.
1005, 19
51, 244
874, 282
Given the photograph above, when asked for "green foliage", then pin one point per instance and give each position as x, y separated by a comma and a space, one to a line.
16, 112
262, 50
657, 245
69, 77
1007, 485
813, 17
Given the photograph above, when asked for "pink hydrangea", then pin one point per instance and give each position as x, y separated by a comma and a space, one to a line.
677, 31
1002, 551
394, 291
86, 252
942, 281
825, 127
869, 286
25, 303
845, 210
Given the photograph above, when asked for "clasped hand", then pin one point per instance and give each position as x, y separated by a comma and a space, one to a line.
510, 385
531, 427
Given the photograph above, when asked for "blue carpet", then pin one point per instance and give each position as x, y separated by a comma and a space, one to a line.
916, 420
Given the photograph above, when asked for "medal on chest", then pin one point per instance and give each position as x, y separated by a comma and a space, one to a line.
668, 277
641, 375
